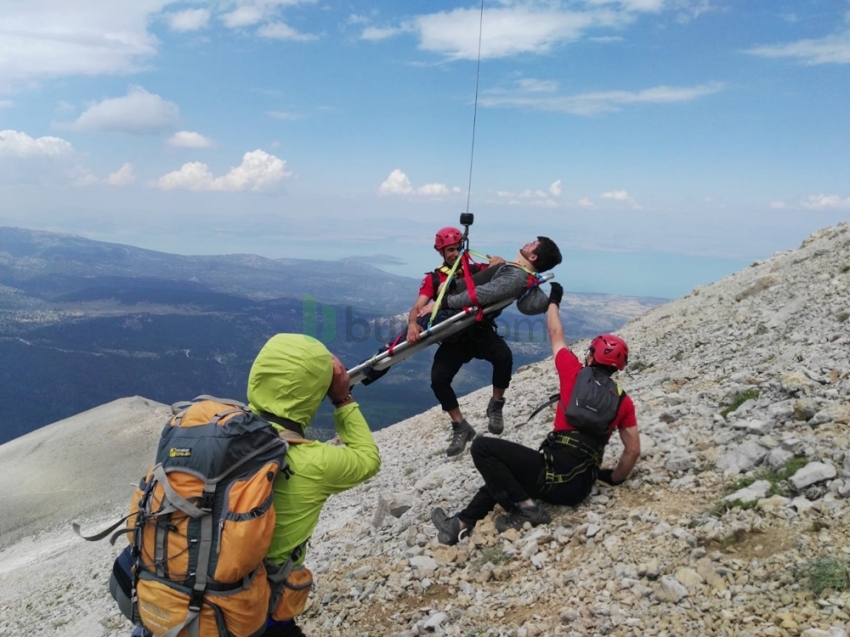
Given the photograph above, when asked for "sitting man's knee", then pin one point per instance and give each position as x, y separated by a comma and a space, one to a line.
480, 446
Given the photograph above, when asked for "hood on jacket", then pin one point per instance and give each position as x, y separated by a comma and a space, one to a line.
290, 377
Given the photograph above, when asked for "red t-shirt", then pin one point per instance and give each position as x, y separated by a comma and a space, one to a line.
426, 288
568, 367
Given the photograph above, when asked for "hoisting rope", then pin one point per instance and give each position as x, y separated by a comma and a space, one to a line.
475, 108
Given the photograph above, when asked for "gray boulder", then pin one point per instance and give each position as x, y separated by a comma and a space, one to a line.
746, 457
812, 473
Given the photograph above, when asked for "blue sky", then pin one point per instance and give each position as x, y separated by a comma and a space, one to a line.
661, 143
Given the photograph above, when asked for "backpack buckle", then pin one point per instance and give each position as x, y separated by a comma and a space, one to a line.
196, 599
206, 502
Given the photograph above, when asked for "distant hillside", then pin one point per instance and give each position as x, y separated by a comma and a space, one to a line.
49, 264
87, 322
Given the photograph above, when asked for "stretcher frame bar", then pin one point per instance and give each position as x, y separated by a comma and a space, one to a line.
437, 333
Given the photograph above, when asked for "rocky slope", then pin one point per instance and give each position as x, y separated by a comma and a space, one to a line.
663, 554
743, 396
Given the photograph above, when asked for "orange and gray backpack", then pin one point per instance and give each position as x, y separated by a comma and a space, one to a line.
201, 522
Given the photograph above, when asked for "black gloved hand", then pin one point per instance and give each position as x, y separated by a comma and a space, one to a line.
556, 293
607, 476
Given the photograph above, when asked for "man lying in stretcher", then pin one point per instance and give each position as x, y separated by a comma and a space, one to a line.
498, 282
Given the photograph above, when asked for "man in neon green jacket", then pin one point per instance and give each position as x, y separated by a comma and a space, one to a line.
288, 380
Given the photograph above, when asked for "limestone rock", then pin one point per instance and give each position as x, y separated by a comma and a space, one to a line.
812, 473
756, 491
670, 590
745, 457
689, 577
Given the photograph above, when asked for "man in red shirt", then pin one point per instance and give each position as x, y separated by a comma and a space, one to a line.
490, 345
481, 340
568, 463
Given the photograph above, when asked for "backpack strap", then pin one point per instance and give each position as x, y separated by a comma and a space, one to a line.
278, 573
105, 532
288, 429
550, 401
554, 398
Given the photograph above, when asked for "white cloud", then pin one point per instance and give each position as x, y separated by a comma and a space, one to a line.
586, 202
399, 184
189, 139
188, 20
509, 30
538, 86
139, 112
284, 115
382, 33
122, 177
6, 104
832, 49
355, 18
621, 195
598, 102
244, 16
643, 6
777, 205
517, 27
22, 145
251, 12
823, 202
282, 31
50, 38
433, 190
258, 171
529, 197
396, 184
81, 177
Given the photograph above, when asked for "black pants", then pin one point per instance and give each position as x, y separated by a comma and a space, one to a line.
480, 341
514, 473
284, 630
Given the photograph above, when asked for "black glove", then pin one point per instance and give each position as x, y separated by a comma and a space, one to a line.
607, 476
556, 293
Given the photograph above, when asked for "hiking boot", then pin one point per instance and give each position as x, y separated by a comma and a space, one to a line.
448, 528
535, 514
495, 422
462, 432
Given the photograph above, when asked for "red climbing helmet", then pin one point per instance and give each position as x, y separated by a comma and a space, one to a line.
447, 236
611, 350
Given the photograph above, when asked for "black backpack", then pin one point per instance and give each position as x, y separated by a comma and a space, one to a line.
593, 405
594, 402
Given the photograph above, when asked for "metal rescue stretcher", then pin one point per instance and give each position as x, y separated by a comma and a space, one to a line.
435, 334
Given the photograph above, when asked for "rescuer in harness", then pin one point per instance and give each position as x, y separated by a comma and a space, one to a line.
591, 406
517, 279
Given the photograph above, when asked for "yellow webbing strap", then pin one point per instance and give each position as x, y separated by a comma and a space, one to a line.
442, 293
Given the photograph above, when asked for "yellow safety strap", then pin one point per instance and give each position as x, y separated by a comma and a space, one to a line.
439, 301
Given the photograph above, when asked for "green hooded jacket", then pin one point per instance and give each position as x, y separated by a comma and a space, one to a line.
289, 378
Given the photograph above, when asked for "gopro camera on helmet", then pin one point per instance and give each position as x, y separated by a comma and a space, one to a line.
466, 218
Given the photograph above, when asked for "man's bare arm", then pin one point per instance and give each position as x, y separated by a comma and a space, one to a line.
631, 453
413, 328
556, 330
